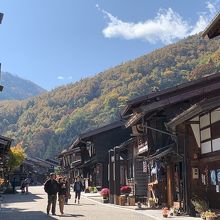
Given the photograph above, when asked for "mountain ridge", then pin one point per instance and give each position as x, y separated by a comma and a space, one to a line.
17, 88
48, 123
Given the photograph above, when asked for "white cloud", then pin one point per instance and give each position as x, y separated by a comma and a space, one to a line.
64, 78
166, 27
60, 77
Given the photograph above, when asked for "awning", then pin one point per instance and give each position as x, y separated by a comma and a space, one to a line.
124, 145
89, 163
213, 28
161, 152
75, 164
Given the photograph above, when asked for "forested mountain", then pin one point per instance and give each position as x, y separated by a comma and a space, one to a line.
49, 123
16, 88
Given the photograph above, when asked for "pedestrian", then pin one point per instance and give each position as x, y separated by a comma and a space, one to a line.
26, 184
51, 187
13, 184
22, 186
62, 193
68, 195
78, 188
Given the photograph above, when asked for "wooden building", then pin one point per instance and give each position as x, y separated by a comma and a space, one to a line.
5, 144
163, 153
213, 29
88, 155
70, 162
35, 168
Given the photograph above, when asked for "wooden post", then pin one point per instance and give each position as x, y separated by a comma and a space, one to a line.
111, 175
169, 186
116, 175
186, 173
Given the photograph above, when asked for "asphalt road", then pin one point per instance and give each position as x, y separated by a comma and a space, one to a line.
33, 207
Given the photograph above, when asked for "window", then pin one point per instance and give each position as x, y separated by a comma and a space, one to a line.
215, 115
205, 120
216, 144
206, 147
210, 131
205, 134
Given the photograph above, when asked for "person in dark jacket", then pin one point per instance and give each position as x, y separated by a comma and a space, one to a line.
51, 187
78, 188
13, 185
62, 193
68, 195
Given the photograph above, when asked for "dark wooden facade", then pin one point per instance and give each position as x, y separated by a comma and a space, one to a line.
35, 168
126, 168
165, 156
198, 131
92, 159
5, 144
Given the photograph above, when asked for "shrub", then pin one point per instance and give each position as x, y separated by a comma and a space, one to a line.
200, 205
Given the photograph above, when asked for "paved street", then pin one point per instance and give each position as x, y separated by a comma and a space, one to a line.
33, 206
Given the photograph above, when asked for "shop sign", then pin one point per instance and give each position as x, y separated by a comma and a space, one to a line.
143, 147
144, 166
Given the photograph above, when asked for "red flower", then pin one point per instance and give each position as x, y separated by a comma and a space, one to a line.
105, 192
125, 189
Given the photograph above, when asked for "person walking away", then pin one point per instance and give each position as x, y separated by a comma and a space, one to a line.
22, 186
26, 184
62, 193
68, 195
51, 187
78, 188
13, 185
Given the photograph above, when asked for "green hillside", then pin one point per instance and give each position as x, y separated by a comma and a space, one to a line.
16, 88
48, 123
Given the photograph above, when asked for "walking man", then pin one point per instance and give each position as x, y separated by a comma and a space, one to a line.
51, 187
78, 188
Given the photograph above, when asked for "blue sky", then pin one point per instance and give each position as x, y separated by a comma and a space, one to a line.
55, 42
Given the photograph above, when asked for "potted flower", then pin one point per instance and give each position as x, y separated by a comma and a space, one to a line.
125, 190
174, 211
209, 215
105, 195
165, 212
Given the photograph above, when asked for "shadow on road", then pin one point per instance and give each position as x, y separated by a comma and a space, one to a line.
82, 204
20, 214
18, 197
72, 215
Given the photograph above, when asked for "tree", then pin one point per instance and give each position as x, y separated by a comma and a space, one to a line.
16, 157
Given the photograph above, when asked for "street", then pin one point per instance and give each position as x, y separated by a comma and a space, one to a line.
33, 206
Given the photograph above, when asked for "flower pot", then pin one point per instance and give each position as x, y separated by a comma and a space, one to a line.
105, 200
131, 201
165, 215
210, 218
122, 200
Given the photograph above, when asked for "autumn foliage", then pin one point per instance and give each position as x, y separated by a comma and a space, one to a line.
49, 123
16, 157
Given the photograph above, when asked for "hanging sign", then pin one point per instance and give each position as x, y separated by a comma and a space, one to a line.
213, 177
142, 147
144, 166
